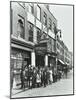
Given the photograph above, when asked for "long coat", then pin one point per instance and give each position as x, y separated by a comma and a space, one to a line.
51, 76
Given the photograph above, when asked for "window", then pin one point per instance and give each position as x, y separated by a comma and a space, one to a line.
49, 46
20, 27
31, 8
54, 28
57, 46
45, 19
38, 35
53, 45
38, 12
43, 36
30, 27
50, 24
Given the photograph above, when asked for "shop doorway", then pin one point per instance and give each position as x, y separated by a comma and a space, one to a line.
51, 62
40, 60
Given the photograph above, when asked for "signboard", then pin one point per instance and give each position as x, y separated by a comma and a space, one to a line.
40, 49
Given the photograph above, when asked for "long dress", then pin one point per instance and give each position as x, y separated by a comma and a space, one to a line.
38, 78
51, 77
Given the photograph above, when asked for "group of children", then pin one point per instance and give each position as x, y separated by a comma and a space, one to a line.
36, 77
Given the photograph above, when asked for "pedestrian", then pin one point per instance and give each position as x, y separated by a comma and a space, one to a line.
54, 75
11, 78
29, 75
38, 79
34, 78
66, 71
51, 76
44, 77
41, 77
22, 75
26, 75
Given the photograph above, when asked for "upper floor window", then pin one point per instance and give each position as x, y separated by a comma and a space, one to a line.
38, 12
45, 18
50, 24
58, 46
20, 27
30, 27
38, 35
31, 8
43, 36
54, 28
53, 45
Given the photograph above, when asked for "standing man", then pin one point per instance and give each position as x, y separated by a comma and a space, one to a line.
34, 78
44, 77
29, 75
11, 78
22, 78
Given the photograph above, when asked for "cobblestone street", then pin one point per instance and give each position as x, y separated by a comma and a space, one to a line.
62, 87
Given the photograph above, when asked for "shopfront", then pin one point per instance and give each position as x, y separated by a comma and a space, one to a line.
19, 59
60, 65
52, 62
40, 51
44, 54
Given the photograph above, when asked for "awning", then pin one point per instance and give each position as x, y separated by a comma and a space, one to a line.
61, 61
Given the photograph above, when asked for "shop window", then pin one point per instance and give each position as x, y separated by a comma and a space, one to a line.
20, 27
30, 27
38, 35
45, 18
16, 64
16, 60
38, 12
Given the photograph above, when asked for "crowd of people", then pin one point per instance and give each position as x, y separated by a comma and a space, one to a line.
38, 76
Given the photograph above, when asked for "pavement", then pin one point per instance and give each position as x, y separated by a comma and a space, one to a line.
62, 87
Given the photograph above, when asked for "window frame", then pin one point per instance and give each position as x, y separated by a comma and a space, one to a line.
32, 8
45, 18
50, 24
23, 20
54, 25
31, 35
39, 34
39, 12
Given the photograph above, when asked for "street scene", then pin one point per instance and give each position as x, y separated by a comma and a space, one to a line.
41, 60
61, 87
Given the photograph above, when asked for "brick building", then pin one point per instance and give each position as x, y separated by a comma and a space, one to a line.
33, 38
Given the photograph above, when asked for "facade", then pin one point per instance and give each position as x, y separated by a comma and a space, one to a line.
33, 38
63, 54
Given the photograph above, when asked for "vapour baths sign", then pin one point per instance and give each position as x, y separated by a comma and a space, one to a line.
40, 50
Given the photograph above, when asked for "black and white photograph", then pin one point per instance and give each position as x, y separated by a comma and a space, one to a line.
41, 49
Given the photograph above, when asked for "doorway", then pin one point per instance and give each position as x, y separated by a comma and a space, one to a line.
40, 60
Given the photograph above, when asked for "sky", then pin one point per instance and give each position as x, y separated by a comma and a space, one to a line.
64, 16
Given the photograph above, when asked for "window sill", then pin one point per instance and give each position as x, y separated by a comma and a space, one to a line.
22, 40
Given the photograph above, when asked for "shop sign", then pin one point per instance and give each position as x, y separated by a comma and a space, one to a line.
40, 50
